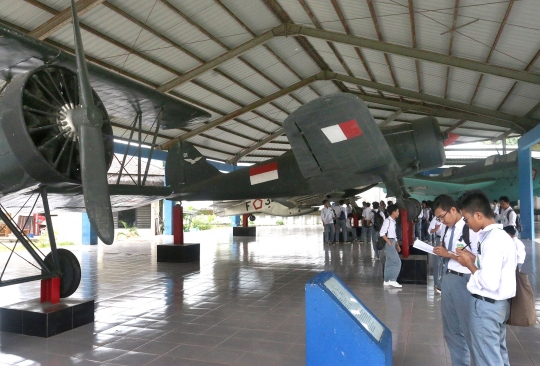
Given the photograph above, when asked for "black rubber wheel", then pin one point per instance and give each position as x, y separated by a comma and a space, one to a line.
71, 271
413, 208
252, 217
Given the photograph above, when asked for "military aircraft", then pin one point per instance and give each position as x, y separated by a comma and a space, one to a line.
56, 135
497, 176
337, 151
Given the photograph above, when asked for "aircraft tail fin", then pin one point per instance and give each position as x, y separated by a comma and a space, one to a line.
186, 166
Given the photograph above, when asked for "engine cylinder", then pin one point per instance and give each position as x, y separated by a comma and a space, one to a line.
38, 141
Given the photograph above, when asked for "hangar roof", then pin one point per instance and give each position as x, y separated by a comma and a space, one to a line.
249, 63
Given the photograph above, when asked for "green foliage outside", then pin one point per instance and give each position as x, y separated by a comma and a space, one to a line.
280, 222
510, 141
129, 231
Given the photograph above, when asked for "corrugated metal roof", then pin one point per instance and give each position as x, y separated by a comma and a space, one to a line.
518, 44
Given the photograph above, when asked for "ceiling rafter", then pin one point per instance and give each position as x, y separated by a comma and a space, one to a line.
224, 46
359, 53
256, 146
282, 15
318, 25
456, 125
218, 121
413, 33
493, 46
62, 18
243, 25
451, 44
380, 37
182, 49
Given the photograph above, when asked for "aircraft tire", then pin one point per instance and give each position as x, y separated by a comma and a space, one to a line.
252, 217
413, 208
71, 271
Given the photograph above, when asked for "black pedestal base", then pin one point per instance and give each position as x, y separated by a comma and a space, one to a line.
178, 253
244, 231
414, 270
45, 320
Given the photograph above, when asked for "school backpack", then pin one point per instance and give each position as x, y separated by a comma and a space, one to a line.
377, 220
518, 220
342, 214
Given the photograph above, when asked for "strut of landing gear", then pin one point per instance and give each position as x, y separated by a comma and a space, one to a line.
58, 263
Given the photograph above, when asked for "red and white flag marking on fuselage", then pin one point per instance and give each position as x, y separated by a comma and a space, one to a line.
342, 131
263, 173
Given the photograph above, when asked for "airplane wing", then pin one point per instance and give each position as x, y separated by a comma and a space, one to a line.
70, 199
422, 187
122, 97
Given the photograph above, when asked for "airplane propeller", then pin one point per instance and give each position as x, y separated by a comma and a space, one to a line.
88, 121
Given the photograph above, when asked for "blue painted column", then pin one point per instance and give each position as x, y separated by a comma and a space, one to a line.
526, 197
235, 221
168, 217
89, 235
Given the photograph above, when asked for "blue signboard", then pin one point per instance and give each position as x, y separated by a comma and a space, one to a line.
340, 329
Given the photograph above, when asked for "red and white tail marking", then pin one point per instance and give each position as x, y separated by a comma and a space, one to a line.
263, 173
343, 131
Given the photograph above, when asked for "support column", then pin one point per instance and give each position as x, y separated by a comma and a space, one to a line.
168, 217
50, 290
355, 219
235, 221
89, 235
526, 207
245, 220
178, 225
406, 239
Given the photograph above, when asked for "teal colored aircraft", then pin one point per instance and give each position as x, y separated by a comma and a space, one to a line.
497, 176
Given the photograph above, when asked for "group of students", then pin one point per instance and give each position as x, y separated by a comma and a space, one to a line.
479, 260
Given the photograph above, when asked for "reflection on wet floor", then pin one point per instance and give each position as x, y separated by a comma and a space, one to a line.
243, 304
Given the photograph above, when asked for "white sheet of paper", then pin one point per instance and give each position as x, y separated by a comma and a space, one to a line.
418, 244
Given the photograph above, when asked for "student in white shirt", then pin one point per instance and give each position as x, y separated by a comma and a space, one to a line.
520, 247
508, 215
418, 226
327, 218
495, 206
350, 228
437, 228
341, 218
374, 232
366, 223
392, 267
455, 298
492, 283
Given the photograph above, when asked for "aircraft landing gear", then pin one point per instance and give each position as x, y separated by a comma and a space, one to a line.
252, 218
70, 270
58, 263
413, 208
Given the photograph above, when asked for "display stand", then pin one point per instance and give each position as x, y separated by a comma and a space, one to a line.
340, 329
35, 318
178, 252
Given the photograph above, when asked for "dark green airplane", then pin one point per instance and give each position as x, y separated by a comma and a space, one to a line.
338, 151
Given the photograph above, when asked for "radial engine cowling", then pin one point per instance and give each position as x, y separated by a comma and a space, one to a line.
38, 141
417, 146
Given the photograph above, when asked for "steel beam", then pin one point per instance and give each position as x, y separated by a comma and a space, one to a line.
512, 121
63, 18
244, 152
433, 111
243, 110
235, 52
390, 118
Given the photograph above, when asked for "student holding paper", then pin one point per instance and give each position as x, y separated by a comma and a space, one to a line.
492, 283
455, 298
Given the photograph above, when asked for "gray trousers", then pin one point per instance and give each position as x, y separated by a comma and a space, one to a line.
437, 267
488, 325
418, 229
329, 232
366, 234
343, 225
456, 310
393, 262
374, 238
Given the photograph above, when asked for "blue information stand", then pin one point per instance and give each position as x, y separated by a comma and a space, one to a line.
340, 330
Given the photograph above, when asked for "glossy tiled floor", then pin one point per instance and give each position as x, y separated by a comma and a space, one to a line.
243, 305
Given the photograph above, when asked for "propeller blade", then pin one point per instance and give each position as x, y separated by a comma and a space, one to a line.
94, 183
89, 122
